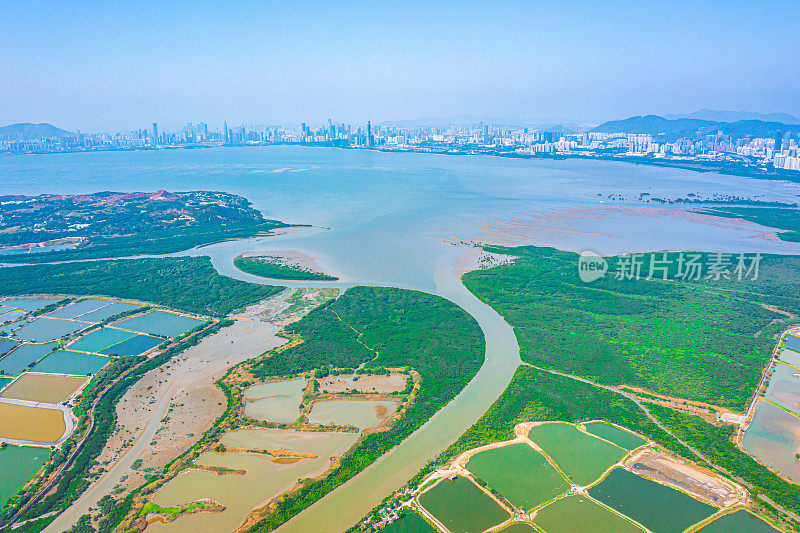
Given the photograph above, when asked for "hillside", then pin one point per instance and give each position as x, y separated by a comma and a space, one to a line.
26, 131
666, 129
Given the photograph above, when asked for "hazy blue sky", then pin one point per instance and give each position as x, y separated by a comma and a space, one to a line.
124, 65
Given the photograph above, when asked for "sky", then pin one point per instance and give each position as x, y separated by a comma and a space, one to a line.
114, 66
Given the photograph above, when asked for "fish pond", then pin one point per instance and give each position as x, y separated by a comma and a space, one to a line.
410, 522
579, 455
133, 346
784, 387
359, 413
518, 472
160, 323
33, 304
321, 443
275, 402
17, 465
107, 312
24, 355
30, 423
738, 522
76, 309
67, 362
5, 381
6, 346
579, 514
10, 315
659, 508
773, 437
791, 342
620, 437
44, 329
519, 527
47, 388
791, 357
99, 340
461, 507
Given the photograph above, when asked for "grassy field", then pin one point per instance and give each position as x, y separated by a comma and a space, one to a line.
462, 507
266, 267
187, 283
706, 340
518, 472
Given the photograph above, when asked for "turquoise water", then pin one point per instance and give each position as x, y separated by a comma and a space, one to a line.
738, 522
106, 312
17, 465
4, 382
16, 361
76, 309
66, 362
101, 339
133, 346
48, 329
160, 323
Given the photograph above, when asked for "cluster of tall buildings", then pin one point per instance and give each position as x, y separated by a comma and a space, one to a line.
782, 153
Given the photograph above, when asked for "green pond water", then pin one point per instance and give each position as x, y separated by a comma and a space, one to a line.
773, 436
160, 323
264, 478
657, 507
784, 387
359, 413
462, 507
620, 437
581, 456
27, 305
101, 339
738, 522
518, 472
578, 514
106, 312
519, 527
48, 329
133, 346
791, 357
410, 522
66, 362
18, 359
76, 309
17, 465
275, 402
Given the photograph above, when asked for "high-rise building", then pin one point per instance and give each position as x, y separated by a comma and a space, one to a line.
369, 134
226, 137
155, 134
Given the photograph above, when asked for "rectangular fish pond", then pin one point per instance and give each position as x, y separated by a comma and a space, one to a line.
17, 465
579, 514
45, 329
275, 402
75, 363
462, 507
359, 413
46, 388
100, 339
24, 355
160, 323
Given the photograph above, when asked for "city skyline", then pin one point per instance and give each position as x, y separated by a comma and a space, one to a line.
108, 68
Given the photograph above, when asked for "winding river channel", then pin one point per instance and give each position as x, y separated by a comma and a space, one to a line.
398, 219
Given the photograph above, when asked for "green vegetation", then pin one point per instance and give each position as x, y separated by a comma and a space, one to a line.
655, 506
187, 283
716, 444
578, 514
402, 328
268, 267
786, 219
462, 507
173, 512
519, 473
620, 437
705, 340
579, 455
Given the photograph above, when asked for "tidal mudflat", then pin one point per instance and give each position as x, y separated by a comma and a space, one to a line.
47, 388
160, 323
275, 402
580, 456
17, 465
30, 423
67, 362
265, 476
518, 472
359, 413
620, 437
773, 437
655, 506
579, 514
19, 359
462, 507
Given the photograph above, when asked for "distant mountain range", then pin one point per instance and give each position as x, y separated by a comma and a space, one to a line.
26, 131
736, 116
672, 129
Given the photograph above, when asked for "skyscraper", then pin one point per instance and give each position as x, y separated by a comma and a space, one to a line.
369, 134
226, 138
155, 134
